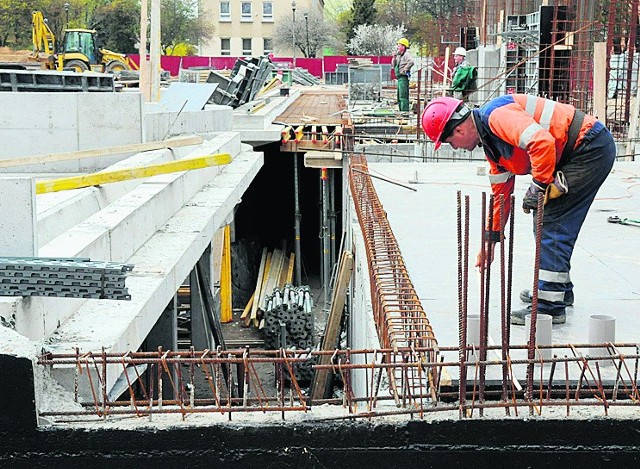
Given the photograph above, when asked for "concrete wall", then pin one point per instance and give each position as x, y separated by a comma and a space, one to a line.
44, 123
362, 329
160, 125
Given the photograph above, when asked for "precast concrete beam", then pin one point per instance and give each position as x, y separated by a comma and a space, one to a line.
59, 211
161, 265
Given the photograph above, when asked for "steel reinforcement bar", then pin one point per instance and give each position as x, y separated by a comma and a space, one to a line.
400, 319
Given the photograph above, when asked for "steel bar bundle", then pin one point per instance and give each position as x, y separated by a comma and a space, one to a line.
289, 323
64, 278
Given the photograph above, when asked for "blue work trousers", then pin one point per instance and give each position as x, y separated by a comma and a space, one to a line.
585, 170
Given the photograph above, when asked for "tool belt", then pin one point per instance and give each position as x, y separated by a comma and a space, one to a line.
572, 137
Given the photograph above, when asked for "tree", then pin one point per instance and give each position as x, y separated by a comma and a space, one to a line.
117, 25
375, 39
321, 33
15, 23
362, 12
181, 23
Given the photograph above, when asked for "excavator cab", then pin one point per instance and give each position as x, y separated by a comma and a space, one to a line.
79, 50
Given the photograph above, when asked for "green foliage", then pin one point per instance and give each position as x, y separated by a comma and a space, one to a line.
181, 49
362, 12
15, 23
180, 23
117, 25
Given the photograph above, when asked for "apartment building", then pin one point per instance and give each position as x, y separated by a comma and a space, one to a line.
246, 27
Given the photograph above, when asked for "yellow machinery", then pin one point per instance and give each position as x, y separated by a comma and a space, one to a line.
78, 49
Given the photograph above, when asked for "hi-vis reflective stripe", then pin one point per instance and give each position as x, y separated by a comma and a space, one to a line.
530, 107
500, 178
555, 277
547, 110
547, 113
553, 296
527, 135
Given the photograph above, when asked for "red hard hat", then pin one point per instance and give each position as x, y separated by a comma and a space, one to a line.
436, 115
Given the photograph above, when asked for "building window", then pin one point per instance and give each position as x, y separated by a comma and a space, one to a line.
268, 45
225, 11
246, 46
225, 46
267, 11
246, 11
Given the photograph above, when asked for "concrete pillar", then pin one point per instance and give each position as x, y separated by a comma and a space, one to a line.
18, 217
163, 334
201, 337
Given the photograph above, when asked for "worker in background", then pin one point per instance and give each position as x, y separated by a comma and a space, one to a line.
463, 81
568, 154
401, 64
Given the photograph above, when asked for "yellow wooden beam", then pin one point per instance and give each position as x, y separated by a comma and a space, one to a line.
226, 313
106, 177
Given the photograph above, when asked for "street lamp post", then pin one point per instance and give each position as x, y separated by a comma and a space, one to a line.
293, 9
66, 9
306, 27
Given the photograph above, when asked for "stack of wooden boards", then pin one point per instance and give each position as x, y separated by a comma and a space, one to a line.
276, 270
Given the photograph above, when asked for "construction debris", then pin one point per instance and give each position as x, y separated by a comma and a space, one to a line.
246, 80
65, 278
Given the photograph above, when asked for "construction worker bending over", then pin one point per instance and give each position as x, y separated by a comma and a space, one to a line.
569, 155
401, 64
464, 77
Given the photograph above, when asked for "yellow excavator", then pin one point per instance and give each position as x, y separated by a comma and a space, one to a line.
77, 51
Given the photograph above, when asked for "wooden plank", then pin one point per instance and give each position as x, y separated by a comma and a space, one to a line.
226, 313
289, 278
107, 151
256, 293
321, 378
256, 301
247, 308
272, 279
216, 255
106, 177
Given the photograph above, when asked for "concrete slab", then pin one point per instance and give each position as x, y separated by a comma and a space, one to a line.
605, 264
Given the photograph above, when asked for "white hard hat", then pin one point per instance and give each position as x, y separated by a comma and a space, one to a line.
460, 51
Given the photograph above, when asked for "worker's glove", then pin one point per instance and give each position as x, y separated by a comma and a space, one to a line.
557, 188
530, 201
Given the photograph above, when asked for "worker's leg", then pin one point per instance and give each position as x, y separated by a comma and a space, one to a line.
589, 166
403, 93
585, 172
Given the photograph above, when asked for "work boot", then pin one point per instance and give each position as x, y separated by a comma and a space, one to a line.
526, 297
517, 317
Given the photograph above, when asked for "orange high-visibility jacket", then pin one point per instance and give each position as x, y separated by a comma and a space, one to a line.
523, 134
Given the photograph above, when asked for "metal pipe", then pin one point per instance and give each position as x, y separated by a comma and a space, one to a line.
325, 236
297, 219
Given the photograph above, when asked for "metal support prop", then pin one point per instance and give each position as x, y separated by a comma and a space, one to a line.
332, 216
325, 235
298, 217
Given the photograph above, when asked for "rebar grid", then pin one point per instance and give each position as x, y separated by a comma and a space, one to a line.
218, 368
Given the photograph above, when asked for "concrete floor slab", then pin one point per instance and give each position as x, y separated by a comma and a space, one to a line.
605, 263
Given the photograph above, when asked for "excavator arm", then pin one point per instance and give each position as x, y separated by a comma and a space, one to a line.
43, 38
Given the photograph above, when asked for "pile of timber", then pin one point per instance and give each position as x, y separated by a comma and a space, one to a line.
276, 271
